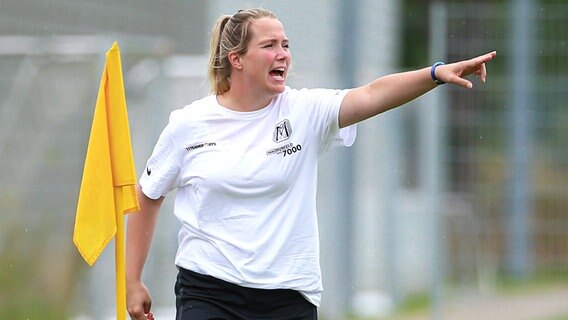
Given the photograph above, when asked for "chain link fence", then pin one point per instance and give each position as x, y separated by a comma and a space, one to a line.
484, 148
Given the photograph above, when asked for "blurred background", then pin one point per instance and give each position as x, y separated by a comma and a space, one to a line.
454, 206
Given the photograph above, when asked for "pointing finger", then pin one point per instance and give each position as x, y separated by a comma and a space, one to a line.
483, 73
486, 57
461, 82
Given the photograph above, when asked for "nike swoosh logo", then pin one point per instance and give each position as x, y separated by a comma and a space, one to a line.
148, 171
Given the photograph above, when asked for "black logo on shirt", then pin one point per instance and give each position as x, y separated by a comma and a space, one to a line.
148, 171
283, 131
200, 145
287, 149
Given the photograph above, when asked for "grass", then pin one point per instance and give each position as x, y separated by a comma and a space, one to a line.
421, 303
538, 281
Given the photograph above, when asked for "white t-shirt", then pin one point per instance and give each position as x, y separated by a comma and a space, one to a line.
246, 187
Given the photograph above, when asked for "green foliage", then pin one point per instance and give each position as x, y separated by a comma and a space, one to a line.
414, 33
20, 298
27, 281
417, 302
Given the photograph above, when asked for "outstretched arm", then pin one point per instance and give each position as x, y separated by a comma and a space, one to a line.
139, 232
394, 90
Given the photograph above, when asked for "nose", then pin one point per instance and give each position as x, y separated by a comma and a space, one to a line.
283, 53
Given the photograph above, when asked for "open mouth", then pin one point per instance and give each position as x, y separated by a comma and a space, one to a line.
278, 73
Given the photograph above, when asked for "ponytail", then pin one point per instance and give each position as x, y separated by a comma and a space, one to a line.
217, 71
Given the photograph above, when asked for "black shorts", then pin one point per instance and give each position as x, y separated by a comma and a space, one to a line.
201, 297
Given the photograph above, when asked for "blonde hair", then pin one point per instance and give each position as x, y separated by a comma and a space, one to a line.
230, 33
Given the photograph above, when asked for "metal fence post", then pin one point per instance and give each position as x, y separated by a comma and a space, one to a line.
433, 150
519, 142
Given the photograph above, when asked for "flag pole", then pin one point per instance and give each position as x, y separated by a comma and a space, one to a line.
120, 257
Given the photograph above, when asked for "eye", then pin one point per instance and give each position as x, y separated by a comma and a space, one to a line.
267, 45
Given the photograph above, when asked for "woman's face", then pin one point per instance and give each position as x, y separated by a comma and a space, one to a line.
267, 60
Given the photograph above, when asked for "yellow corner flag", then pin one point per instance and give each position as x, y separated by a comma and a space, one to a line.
108, 187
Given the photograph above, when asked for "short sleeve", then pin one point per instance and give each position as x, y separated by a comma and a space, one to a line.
339, 137
323, 106
162, 171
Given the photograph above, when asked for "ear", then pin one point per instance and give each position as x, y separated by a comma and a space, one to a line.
235, 60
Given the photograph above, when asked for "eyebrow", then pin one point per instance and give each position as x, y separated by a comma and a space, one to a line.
272, 40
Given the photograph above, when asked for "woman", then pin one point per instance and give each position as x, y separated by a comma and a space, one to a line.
244, 163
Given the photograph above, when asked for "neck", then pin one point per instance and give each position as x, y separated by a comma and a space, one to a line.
237, 101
